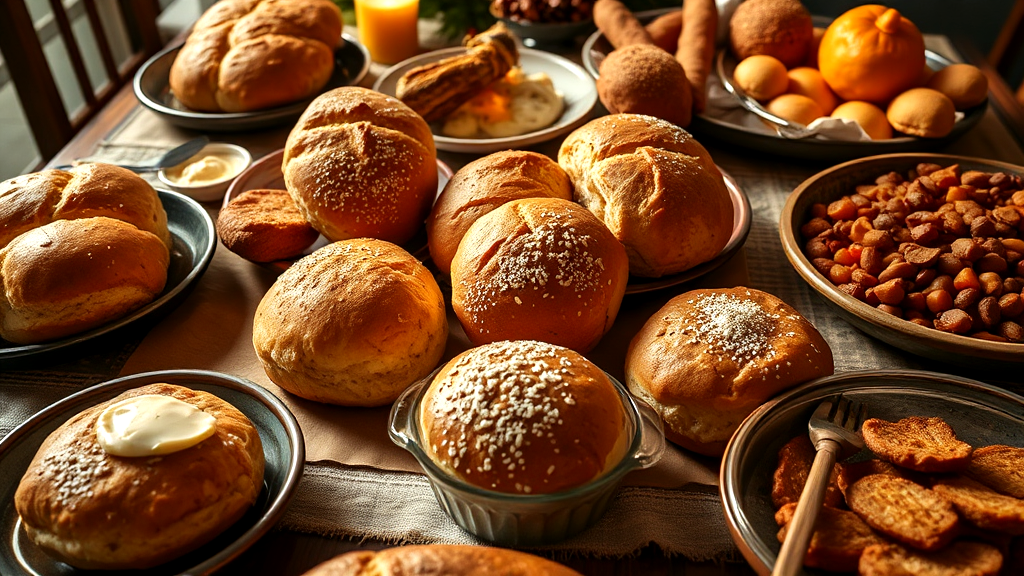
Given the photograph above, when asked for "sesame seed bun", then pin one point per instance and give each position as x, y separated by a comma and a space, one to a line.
709, 357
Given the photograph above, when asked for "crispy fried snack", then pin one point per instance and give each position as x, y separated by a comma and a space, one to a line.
1001, 468
983, 506
904, 510
960, 559
795, 458
850, 472
922, 444
837, 542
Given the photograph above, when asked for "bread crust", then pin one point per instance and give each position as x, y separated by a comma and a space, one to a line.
440, 560
97, 511
917, 443
264, 226
959, 559
904, 510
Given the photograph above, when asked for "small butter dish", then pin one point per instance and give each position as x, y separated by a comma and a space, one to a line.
206, 176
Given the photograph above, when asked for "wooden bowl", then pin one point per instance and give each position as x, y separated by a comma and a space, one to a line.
840, 180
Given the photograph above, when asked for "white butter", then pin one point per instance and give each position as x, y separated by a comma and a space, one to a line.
207, 170
152, 425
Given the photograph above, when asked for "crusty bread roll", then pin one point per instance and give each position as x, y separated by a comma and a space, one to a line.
644, 79
353, 323
440, 560
32, 200
709, 357
483, 185
97, 511
247, 55
361, 164
72, 275
264, 226
539, 269
655, 187
523, 417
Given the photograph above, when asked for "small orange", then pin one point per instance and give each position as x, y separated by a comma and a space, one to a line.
870, 117
761, 77
795, 108
808, 81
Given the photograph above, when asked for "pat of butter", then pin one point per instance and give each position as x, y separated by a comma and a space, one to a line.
206, 170
152, 425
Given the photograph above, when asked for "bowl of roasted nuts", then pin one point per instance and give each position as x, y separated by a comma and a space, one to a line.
545, 21
922, 251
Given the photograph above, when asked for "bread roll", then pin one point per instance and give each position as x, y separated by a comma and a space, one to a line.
361, 164
97, 511
244, 55
654, 186
644, 79
72, 275
538, 269
32, 200
353, 323
440, 560
483, 185
264, 226
709, 357
523, 417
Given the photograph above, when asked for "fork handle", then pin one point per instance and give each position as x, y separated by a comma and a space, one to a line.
791, 557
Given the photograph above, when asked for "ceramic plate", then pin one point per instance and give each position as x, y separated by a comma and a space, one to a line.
194, 242
351, 63
266, 173
841, 180
283, 450
979, 413
572, 81
740, 228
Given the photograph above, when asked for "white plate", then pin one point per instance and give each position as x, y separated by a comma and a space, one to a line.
571, 80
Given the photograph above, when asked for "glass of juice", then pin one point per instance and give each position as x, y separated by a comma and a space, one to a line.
388, 28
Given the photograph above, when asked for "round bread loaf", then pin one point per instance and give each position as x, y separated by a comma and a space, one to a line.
483, 185
361, 164
654, 186
244, 55
72, 275
523, 417
32, 200
440, 560
353, 323
709, 357
97, 511
644, 79
539, 269
264, 226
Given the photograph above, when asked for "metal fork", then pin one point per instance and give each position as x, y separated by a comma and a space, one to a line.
833, 428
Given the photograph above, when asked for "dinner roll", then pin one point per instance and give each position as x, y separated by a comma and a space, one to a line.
709, 357
440, 560
644, 79
72, 275
538, 269
353, 323
523, 417
964, 84
654, 186
922, 112
243, 55
264, 226
361, 164
483, 185
94, 510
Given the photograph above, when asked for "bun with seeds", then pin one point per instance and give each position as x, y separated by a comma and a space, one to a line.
360, 164
709, 357
523, 417
440, 560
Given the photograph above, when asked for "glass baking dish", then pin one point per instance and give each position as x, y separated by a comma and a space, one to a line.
520, 519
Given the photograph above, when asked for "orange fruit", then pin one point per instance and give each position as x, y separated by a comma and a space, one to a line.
870, 117
761, 77
795, 108
808, 82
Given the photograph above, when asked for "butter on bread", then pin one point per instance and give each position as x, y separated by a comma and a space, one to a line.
922, 444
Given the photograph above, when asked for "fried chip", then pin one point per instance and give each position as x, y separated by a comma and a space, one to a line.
795, 459
983, 506
959, 559
1001, 468
838, 539
904, 511
922, 444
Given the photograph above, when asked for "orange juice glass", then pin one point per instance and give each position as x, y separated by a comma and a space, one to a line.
388, 28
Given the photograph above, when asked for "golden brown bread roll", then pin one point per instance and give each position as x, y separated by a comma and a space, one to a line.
523, 417
709, 357
247, 55
538, 269
361, 164
922, 112
440, 560
644, 79
72, 275
483, 185
654, 186
353, 323
264, 226
964, 84
97, 511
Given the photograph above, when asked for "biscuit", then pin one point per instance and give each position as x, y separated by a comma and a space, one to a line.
904, 510
960, 559
983, 506
795, 459
922, 444
1001, 468
838, 539
264, 226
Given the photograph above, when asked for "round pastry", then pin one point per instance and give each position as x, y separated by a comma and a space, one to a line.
779, 28
964, 84
483, 185
922, 112
539, 269
654, 186
709, 357
95, 510
808, 82
243, 55
795, 108
440, 560
264, 226
72, 275
361, 164
353, 323
644, 79
523, 417
870, 117
761, 77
